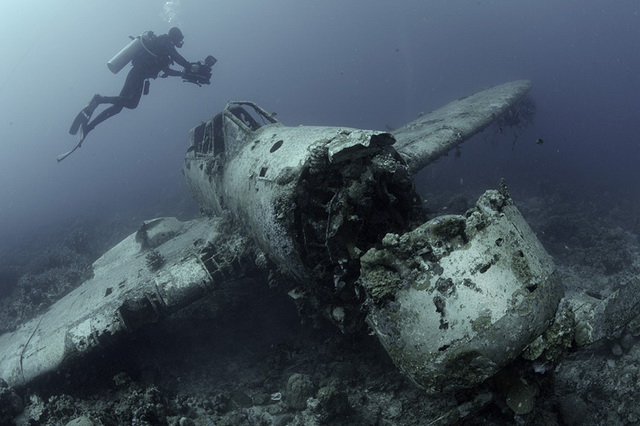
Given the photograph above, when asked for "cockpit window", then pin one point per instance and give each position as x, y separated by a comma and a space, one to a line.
232, 126
249, 115
245, 117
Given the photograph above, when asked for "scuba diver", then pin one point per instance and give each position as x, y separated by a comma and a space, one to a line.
151, 57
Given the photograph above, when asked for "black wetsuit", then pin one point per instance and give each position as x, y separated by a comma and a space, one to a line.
145, 66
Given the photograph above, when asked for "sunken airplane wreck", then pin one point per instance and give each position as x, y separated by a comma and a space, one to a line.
331, 216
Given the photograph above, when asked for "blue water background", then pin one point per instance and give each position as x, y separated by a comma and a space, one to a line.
356, 63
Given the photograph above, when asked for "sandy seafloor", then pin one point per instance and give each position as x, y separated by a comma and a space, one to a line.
245, 357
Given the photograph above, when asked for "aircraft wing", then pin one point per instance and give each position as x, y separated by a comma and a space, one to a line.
426, 139
164, 266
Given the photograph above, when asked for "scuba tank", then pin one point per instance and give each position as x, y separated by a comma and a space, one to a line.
130, 51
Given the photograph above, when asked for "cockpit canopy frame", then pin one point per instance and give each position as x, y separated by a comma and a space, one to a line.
230, 129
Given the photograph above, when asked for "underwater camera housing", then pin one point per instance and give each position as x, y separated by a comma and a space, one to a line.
199, 73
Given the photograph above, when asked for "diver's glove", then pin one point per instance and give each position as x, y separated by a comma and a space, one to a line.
170, 72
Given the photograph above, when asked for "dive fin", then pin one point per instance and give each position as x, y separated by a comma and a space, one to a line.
81, 118
81, 137
84, 115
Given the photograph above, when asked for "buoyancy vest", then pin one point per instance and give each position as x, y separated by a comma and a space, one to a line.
154, 56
